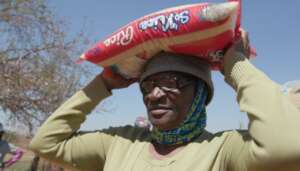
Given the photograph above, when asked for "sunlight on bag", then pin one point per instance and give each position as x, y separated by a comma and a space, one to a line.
204, 30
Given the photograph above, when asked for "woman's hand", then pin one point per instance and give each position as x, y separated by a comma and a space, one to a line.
241, 45
115, 81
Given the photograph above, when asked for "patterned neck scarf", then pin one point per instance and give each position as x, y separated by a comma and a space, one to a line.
191, 127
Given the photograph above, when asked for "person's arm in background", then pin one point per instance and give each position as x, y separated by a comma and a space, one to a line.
15, 154
57, 139
273, 138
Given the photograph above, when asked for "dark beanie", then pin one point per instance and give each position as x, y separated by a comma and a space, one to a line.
194, 66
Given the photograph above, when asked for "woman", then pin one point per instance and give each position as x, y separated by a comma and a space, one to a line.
176, 90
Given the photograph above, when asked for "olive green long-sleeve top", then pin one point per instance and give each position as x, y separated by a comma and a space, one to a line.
272, 139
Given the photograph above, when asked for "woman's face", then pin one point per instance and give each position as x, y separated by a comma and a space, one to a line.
168, 97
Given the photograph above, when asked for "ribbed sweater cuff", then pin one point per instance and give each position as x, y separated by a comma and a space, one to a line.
237, 68
96, 90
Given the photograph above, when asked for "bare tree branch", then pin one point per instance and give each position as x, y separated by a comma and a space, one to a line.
37, 68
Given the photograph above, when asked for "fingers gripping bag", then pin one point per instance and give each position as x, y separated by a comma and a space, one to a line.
203, 30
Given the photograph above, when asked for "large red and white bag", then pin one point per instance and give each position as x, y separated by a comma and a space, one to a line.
203, 30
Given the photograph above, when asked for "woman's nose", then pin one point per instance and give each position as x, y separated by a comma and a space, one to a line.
156, 94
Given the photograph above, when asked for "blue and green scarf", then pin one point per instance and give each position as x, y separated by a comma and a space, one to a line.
191, 127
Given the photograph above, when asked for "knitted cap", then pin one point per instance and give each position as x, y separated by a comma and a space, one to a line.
195, 66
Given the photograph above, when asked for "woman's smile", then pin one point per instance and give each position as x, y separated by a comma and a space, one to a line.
159, 112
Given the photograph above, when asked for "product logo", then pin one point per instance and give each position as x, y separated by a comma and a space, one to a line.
166, 22
123, 37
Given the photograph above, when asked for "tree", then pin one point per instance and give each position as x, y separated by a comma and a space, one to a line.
37, 69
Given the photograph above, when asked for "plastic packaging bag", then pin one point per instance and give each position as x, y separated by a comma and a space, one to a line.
203, 30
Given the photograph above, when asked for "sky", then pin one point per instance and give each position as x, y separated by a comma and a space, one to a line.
273, 28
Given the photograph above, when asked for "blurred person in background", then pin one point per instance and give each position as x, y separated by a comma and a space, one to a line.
292, 90
7, 149
142, 122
